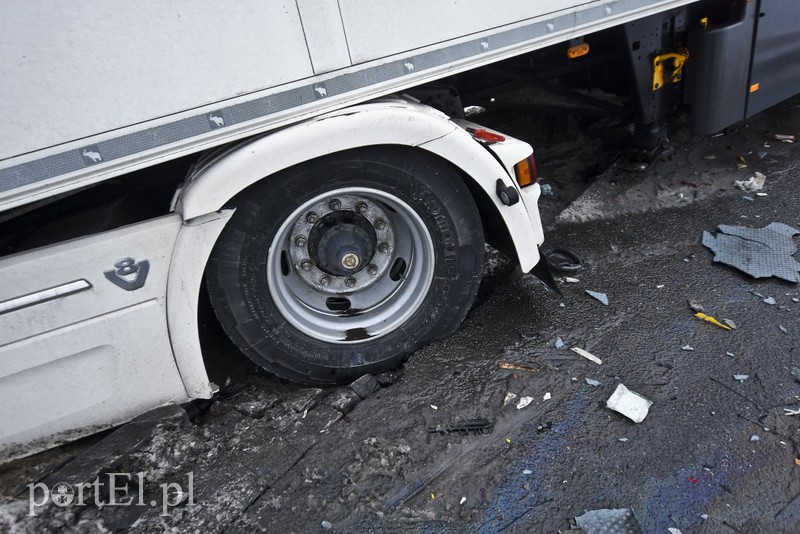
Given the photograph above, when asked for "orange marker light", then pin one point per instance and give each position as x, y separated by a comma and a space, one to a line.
578, 50
525, 172
754, 87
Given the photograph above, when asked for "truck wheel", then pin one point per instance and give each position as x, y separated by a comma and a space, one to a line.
345, 265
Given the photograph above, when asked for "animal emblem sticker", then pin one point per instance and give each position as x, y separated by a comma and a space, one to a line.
91, 155
320, 91
484, 44
408, 66
215, 120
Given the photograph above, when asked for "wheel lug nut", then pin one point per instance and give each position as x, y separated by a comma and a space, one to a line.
379, 224
335, 204
325, 280
305, 265
350, 281
361, 207
300, 241
372, 270
383, 248
312, 217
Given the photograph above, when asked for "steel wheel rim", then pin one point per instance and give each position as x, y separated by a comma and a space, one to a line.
370, 302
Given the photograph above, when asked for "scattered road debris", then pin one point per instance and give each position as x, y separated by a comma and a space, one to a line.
732, 355
709, 319
327, 525
464, 428
783, 329
789, 411
463, 500
547, 190
527, 472
628, 403
547, 396
609, 520
754, 437
523, 402
592, 382
759, 252
588, 355
770, 301
602, 297
560, 343
544, 427
673, 530
570, 280
730, 323
509, 397
753, 184
434, 407
518, 367
623, 440
696, 306
741, 378
785, 138
687, 347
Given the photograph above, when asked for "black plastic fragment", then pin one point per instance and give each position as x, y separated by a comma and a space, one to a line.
464, 428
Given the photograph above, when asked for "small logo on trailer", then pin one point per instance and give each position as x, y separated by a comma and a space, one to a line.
409, 66
216, 120
484, 44
320, 91
91, 155
128, 273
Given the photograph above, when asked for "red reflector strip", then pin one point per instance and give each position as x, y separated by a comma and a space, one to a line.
485, 135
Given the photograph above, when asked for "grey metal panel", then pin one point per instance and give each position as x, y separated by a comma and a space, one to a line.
776, 54
717, 72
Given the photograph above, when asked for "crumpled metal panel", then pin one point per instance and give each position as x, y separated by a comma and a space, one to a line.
759, 252
609, 521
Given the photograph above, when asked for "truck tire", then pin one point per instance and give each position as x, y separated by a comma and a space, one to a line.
345, 265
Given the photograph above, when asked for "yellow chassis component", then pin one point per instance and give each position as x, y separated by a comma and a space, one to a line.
660, 77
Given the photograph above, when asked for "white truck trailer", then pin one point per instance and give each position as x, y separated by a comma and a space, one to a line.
269, 151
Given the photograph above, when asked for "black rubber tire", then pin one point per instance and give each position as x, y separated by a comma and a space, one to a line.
237, 283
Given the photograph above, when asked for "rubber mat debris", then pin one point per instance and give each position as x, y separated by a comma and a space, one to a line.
464, 428
759, 252
609, 521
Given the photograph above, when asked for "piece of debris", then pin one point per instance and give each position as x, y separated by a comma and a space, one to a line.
785, 138
704, 517
710, 157
696, 306
365, 386
463, 500
569, 280
791, 412
608, 520
546, 396
673, 530
628, 403
327, 525
518, 367
592, 382
761, 154
602, 297
730, 323
747, 198
588, 355
741, 378
732, 355
753, 184
464, 428
434, 407
509, 397
560, 343
754, 438
527, 472
783, 329
547, 190
544, 427
770, 301
660, 286
759, 252
761, 194
709, 319
687, 347
523, 402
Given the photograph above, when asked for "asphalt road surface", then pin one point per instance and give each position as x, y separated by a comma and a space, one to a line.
714, 454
